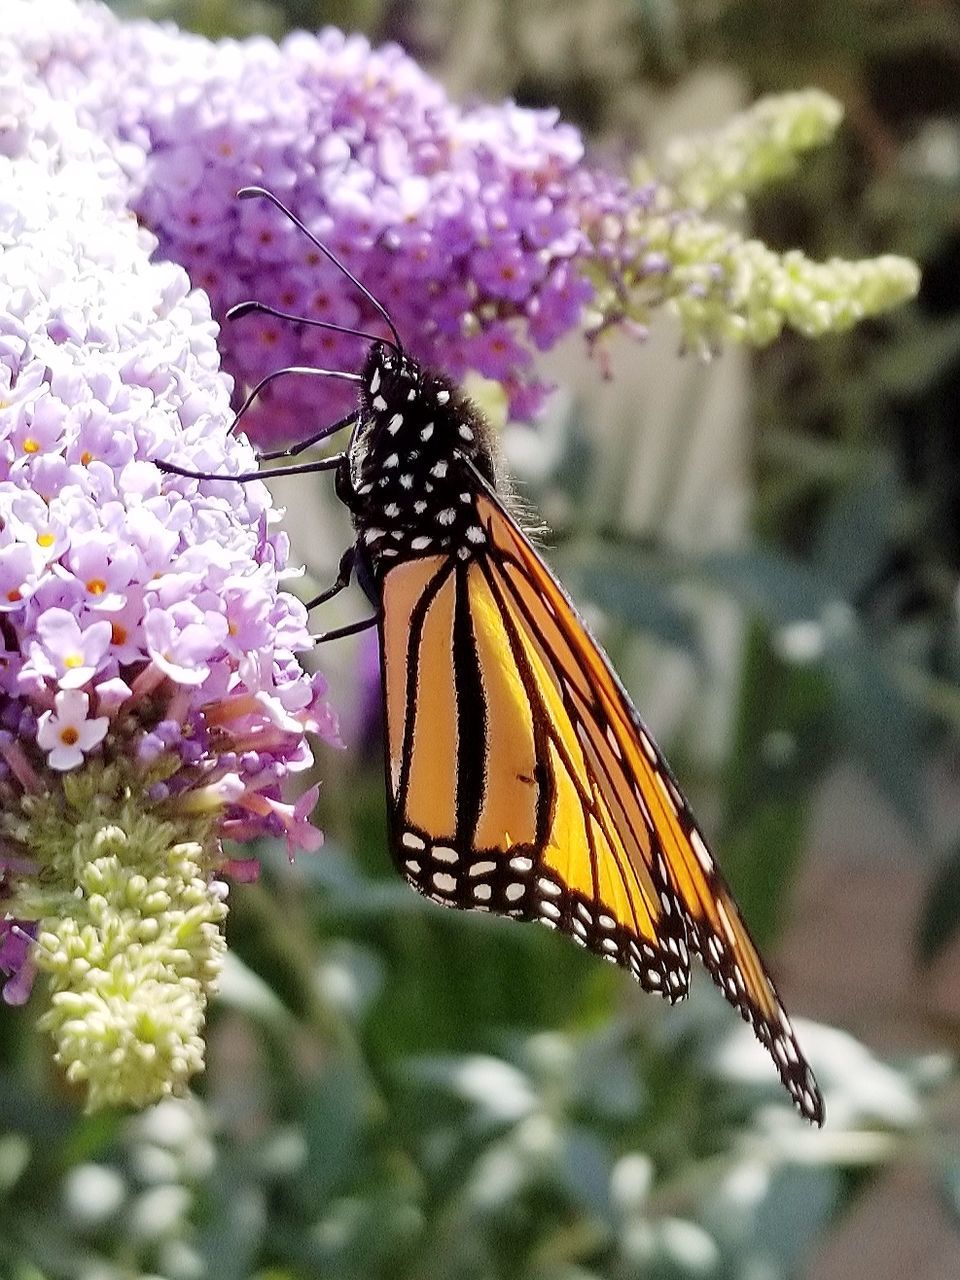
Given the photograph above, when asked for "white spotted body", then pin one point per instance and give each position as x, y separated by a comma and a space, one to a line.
410, 464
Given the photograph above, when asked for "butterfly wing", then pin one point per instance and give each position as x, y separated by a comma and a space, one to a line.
650, 793
496, 801
522, 781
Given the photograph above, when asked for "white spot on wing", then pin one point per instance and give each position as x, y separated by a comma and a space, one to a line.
725, 920
700, 849
662, 783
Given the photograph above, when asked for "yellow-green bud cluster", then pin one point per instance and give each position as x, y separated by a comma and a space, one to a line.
726, 287
128, 934
757, 147
721, 284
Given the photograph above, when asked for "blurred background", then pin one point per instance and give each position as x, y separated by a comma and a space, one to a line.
770, 546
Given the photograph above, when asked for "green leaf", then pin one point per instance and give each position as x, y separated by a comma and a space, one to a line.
784, 742
779, 589
242, 989
951, 1187
334, 1113
798, 1204
918, 360
940, 913
874, 718
230, 1239
855, 535
634, 594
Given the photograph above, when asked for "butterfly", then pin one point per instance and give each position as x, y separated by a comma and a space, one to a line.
520, 778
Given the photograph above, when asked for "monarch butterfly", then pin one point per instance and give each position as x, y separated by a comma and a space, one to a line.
520, 779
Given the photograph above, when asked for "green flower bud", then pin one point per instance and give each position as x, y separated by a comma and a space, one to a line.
757, 147
128, 933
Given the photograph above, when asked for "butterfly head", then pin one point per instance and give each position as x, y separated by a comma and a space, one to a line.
413, 460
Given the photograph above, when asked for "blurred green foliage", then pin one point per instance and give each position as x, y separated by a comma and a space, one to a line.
398, 1091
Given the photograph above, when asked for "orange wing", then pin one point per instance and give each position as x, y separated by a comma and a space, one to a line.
522, 781
495, 802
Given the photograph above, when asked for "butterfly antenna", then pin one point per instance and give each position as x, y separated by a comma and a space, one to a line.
248, 193
246, 308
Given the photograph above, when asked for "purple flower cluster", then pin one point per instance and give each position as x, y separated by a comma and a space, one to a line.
143, 616
474, 226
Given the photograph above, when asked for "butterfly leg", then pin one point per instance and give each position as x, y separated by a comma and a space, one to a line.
342, 580
351, 629
271, 473
294, 449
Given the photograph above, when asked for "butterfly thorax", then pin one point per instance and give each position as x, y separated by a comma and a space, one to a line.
412, 488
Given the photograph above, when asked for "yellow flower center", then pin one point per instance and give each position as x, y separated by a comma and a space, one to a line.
45, 540
30, 446
96, 586
73, 660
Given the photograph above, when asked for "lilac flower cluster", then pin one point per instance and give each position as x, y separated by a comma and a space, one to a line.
472, 225
143, 617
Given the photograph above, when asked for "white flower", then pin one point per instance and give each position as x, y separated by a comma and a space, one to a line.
66, 733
